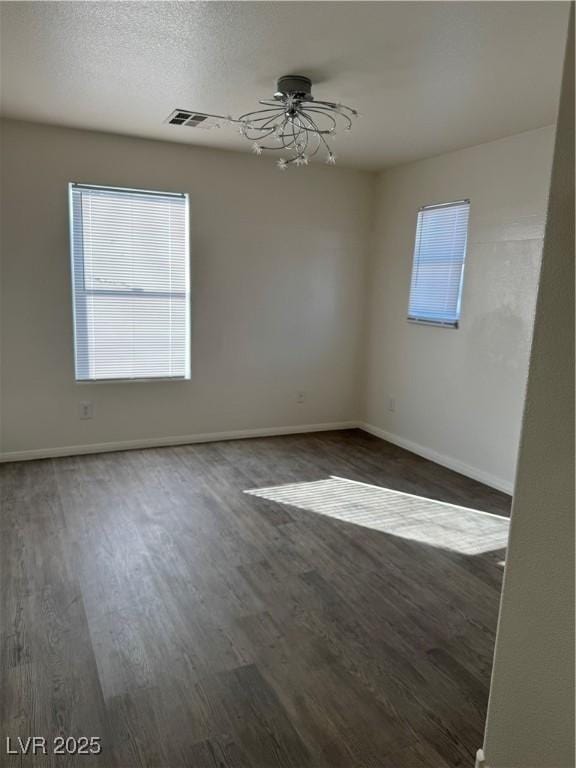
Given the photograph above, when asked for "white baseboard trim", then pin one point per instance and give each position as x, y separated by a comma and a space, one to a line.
158, 442
446, 461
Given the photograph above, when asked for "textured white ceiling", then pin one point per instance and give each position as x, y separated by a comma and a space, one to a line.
427, 77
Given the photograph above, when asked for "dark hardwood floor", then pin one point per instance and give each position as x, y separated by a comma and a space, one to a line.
149, 600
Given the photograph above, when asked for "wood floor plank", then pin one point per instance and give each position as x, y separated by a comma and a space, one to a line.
150, 598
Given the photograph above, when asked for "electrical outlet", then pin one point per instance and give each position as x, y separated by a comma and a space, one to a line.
86, 410
392, 404
300, 396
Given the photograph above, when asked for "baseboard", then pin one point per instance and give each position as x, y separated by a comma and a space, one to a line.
446, 461
159, 442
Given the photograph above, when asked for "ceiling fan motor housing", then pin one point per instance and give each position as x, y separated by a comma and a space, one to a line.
294, 85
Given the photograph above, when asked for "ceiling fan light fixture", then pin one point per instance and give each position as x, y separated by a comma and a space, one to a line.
296, 122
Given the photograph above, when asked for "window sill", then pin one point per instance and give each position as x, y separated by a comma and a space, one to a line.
158, 379
433, 323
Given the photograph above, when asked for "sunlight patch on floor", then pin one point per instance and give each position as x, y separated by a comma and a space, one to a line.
469, 531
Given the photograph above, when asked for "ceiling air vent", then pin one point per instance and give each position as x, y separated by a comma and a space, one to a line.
193, 119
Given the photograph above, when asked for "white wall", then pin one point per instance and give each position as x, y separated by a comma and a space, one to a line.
278, 279
531, 710
459, 393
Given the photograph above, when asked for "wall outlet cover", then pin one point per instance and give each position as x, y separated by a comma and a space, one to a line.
86, 409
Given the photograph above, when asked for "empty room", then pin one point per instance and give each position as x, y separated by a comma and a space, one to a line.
287, 384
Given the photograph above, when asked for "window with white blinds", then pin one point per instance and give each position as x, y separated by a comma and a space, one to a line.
130, 281
438, 267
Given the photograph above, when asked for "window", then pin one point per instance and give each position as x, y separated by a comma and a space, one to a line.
438, 265
130, 282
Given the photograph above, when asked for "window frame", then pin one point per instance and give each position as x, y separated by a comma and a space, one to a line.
95, 291
430, 322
